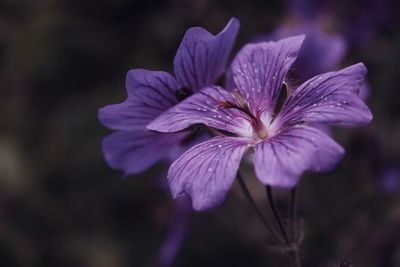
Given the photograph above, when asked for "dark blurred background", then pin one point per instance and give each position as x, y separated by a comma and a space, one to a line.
61, 205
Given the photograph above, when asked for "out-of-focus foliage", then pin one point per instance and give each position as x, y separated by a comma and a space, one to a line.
61, 205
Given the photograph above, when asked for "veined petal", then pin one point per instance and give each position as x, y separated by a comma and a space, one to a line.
149, 94
259, 70
204, 107
207, 171
135, 151
331, 98
280, 160
202, 57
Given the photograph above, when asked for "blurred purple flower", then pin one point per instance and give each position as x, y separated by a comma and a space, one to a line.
176, 233
259, 115
199, 62
390, 179
363, 17
321, 51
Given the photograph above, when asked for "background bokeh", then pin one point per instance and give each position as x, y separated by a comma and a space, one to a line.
61, 205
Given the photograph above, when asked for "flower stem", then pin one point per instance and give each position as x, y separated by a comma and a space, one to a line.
291, 246
296, 257
256, 208
277, 216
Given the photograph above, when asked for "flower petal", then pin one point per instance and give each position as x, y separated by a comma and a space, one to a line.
259, 70
135, 151
204, 107
149, 94
331, 98
207, 171
280, 160
202, 57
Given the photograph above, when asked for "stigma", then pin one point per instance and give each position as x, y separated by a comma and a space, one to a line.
259, 128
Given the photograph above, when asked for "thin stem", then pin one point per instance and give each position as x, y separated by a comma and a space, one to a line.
256, 208
296, 257
277, 216
293, 214
293, 218
292, 247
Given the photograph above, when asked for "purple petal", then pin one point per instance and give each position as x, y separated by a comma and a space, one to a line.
280, 160
202, 57
206, 171
331, 98
135, 151
260, 69
204, 107
149, 94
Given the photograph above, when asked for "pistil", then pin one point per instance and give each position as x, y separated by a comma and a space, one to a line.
242, 105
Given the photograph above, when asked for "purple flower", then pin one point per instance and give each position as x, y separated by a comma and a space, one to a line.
259, 118
199, 62
360, 21
390, 179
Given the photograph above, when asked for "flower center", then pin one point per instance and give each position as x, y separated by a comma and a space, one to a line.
241, 104
259, 127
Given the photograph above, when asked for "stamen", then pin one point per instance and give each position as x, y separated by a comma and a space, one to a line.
241, 105
241, 101
259, 127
